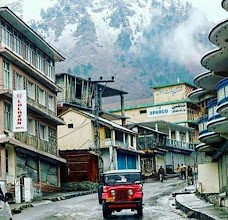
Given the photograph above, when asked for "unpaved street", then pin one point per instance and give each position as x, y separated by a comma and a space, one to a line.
158, 205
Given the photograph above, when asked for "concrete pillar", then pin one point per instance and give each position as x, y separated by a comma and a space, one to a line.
187, 136
170, 134
177, 135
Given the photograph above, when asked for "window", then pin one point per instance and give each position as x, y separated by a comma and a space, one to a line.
142, 111
31, 90
41, 97
31, 126
17, 44
70, 125
51, 103
52, 136
43, 132
19, 84
40, 61
50, 69
6, 69
29, 53
107, 133
6, 34
8, 116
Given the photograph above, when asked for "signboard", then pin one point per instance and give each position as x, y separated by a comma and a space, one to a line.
19, 111
165, 110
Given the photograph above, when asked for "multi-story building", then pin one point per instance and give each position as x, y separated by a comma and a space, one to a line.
173, 113
213, 121
27, 67
90, 132
116, 147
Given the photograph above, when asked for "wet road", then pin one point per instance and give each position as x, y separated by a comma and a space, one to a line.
158, 205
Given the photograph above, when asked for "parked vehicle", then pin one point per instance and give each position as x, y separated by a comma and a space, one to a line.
5, 211
121, 189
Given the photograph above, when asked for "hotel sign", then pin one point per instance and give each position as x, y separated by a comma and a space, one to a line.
19, 111
165, 110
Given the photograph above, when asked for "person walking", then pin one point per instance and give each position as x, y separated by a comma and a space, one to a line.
179, 170
183, 171
190, 175
161, 173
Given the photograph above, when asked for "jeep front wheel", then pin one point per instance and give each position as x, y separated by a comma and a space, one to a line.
106, 211
140, 210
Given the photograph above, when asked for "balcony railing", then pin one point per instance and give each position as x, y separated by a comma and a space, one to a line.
179, 144
34, 141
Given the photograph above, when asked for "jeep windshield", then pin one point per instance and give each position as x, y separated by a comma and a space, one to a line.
122, 178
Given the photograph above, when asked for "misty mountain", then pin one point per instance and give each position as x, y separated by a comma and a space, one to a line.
142, 43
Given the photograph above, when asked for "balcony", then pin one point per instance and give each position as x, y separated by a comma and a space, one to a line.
109, 142
34, 141
204, 147
179, 144
216, 122
206, 136
222, 94
216, 60
207, 81
225, 4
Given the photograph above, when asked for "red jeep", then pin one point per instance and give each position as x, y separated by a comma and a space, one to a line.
122, 189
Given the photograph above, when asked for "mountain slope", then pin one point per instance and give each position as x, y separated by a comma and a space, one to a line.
140, 42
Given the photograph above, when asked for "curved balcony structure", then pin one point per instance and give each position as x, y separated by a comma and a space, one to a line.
204, 147
225, 4
199, 95
222, 94
216, 60
207, 81
218, 35
216, 122
206, 136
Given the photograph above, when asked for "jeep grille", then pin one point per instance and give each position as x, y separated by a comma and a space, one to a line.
121, 195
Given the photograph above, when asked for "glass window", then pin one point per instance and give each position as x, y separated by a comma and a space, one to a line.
221, 94
31, 126
52, 136
31, 90
50, 69
43, 132
17, 43
8, 116
226, 91
41, 98
51, 103
6, 34
7, 78
29, 53
40, 61
19, 82
107, 133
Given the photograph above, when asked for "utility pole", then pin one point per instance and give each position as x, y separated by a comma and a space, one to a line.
97, 107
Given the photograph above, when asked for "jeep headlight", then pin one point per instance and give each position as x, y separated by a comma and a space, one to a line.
130, 192
113, 192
